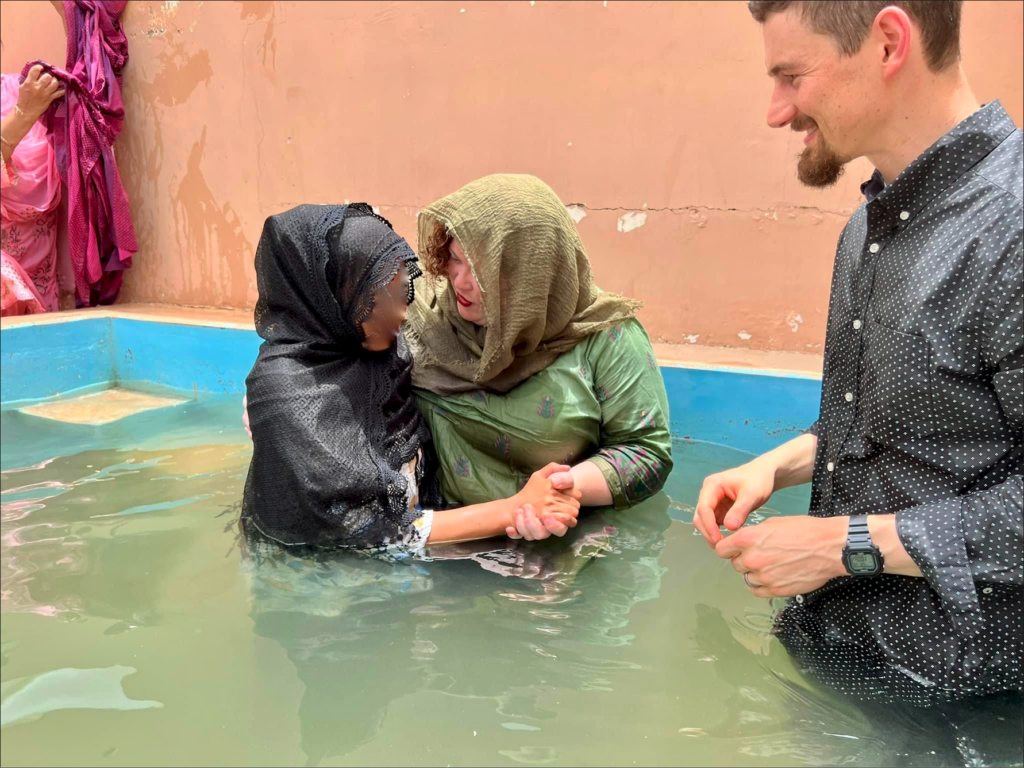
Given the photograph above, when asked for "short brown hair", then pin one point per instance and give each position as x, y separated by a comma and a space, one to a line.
847, 22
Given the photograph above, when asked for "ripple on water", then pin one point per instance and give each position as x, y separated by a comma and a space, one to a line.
519, 727
755, 622
531, 755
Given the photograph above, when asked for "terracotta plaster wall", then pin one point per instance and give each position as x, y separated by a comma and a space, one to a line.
648, 116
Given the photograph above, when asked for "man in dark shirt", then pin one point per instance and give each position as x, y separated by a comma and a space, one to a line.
910, 561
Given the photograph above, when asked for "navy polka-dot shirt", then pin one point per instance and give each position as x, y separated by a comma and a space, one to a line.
922, 409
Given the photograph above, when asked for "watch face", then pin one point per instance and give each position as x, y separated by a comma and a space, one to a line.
862, 562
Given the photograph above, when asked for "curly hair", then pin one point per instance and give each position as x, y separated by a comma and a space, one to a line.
434, 252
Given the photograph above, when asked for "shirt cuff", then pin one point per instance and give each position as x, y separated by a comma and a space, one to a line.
615, 484
422, 527
934, 538
813, 429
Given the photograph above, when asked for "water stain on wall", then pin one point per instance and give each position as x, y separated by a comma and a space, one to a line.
180, 74
210, 234
262, 10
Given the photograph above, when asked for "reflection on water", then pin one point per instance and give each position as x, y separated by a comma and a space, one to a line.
136, 631
363, 634
68, 689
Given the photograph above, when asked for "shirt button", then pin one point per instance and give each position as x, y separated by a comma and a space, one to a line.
849, 397
987, 591
830, 466
904, 215
857, 324
874, 247
800, 599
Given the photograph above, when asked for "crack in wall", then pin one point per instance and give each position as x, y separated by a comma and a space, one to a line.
809, 209
805, 209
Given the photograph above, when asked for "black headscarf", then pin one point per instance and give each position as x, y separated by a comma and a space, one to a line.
332, 423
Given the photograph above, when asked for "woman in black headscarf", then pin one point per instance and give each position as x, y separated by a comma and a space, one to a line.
341, 455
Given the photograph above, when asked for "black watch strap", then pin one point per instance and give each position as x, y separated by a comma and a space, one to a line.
859, 535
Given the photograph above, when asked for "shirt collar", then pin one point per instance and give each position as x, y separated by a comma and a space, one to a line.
943, 162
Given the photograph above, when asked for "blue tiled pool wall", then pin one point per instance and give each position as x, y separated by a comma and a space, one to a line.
751, 411
43, 361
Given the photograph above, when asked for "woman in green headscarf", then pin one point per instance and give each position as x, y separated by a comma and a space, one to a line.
521, 360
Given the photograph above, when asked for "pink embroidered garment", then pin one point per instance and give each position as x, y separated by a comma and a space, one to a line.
85, 123
29, 197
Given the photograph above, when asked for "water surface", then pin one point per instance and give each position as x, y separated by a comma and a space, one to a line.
134, 633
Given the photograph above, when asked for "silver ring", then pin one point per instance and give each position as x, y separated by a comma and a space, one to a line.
746, 579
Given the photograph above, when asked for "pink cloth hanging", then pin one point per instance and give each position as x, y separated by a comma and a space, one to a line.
85, 123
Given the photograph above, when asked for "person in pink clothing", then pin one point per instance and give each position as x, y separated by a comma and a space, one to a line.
30, 195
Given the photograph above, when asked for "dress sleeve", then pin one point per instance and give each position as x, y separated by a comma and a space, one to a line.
635, 456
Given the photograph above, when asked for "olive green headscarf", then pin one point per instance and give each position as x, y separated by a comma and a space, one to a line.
537, 290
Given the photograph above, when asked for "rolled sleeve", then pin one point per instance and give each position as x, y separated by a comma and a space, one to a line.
978, 537
957, 542
615, 481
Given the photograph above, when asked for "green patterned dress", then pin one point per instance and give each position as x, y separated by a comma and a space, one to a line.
604, 401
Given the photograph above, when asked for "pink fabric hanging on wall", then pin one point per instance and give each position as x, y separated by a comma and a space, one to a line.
85, 124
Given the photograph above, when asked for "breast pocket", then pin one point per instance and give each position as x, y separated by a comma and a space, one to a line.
896, 396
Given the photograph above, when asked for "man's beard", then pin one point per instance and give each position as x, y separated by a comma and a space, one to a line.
818, 165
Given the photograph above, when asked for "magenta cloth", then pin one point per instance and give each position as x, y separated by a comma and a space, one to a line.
85, 123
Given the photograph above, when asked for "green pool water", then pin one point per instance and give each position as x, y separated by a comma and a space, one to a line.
134, 632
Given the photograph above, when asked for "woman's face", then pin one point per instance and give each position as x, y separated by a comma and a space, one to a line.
467, 291
389, 308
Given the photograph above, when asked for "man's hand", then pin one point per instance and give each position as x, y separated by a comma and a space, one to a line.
727, 498
787, 556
